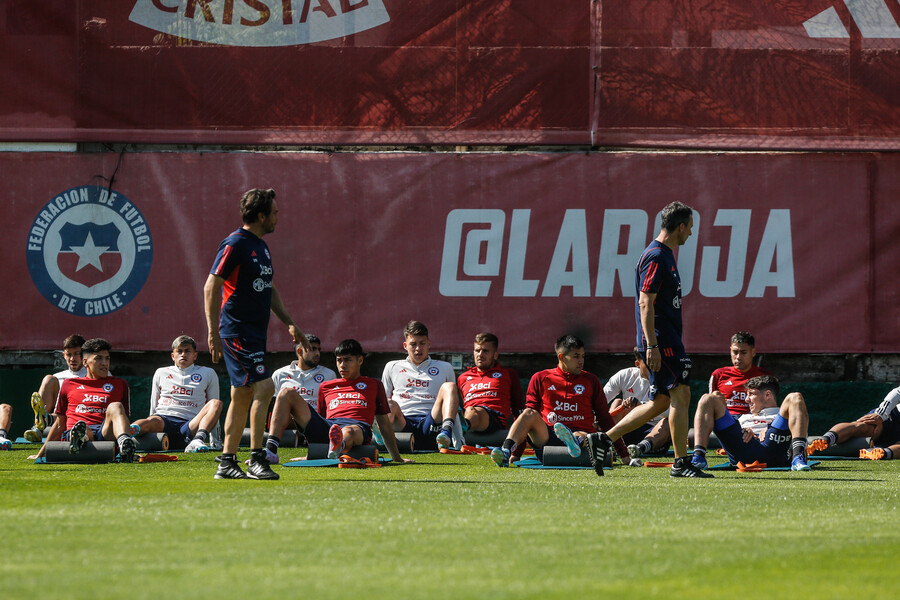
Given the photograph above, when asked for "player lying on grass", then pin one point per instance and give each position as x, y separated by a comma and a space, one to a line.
628, 389
730, 381
43, 401
768, 434
184, 400
350, 405
295, 384
561, 406
881, 424
421, 391
5, 420
93, 407
490, 392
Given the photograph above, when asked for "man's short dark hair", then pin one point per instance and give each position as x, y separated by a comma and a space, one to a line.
567, 343
487, 338
742, 337
311, 338
256, 202
638, 355
73, 341
763, 383
94, 346
349, 346
415, 328
675, 214
181, 340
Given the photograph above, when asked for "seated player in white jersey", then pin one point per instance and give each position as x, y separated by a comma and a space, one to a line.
422, 391
347, 408
628, 389
184, 400
767, 434
5, 420
94, 407
43, 401
881, 424
296, 383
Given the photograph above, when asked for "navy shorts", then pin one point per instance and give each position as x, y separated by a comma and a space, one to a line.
421, 425
178, 430
774, 451
316, 430
890, 432
637, 436
95, 429
245, 361
674, 370
496, 421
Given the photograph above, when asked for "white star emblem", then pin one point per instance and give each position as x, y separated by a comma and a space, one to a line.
89, 254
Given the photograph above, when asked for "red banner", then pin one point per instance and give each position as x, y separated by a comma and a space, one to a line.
734, 74
296, 71
794, 248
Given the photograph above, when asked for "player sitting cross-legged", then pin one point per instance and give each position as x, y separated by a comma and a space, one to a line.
350, 405
561, 406
184, 401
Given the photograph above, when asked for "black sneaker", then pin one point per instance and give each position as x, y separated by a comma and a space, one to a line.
260, 469
126, 450
228, 469
599, 445
76, 437
683, 467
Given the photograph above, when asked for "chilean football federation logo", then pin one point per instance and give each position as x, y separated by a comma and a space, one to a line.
89, 251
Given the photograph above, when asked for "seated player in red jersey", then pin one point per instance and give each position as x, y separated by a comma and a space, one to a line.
93, 407
350, 405
731, 381
561, 407
490, 393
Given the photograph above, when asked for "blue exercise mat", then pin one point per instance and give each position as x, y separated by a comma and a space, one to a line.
533, 463
726, 466
322, 462
21, 440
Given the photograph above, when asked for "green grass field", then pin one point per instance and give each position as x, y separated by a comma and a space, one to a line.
447, 527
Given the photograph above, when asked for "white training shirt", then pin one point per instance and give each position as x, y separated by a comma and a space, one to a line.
888, 404
760, 422
628, 383
67, 374
305, 382
415, 387
182, 393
